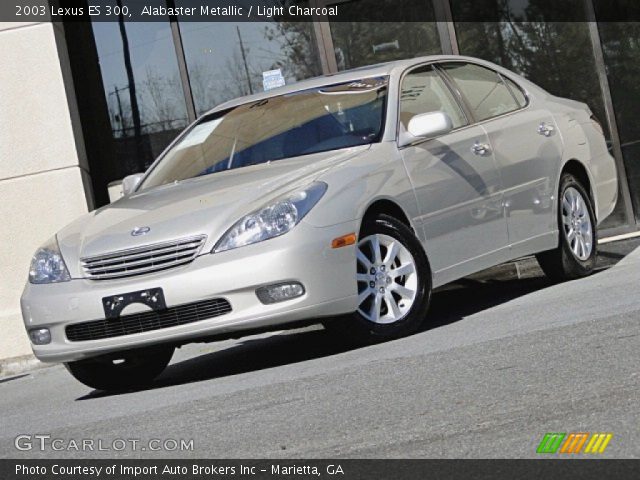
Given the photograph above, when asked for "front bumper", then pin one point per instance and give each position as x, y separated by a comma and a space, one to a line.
304, 255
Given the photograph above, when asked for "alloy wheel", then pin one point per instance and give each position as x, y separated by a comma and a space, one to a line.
387, 279
577, 224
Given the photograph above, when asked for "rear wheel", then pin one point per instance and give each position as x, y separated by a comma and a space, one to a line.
394, 284
575, 256
124, 371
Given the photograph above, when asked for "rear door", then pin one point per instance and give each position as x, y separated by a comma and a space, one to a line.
455, 180
527, 149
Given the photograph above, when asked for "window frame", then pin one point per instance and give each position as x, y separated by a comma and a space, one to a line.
455, 95
225, 107
460, 98
464, 99
522, 90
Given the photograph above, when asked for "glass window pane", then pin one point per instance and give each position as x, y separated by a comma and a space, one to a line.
372, 40
621, 49
284, 126
424, 91
517, 92
558, 56
483, 88
143, 92
226, 60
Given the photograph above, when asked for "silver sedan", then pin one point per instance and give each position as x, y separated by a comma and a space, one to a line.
343, 199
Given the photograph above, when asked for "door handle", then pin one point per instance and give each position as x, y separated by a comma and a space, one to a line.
546, 129
480, 149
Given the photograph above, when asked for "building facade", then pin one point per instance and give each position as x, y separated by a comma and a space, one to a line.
85, 104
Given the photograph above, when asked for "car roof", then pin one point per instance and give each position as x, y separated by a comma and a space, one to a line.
380, 69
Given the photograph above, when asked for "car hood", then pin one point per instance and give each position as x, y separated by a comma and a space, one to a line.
207, 205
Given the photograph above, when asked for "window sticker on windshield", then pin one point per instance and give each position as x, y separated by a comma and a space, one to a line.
199, 134
357, 86
272, 79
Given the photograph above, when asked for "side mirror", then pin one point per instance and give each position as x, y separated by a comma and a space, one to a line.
115, 190
130, 183
426, 125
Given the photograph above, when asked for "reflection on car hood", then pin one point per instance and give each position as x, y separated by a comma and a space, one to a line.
205, 205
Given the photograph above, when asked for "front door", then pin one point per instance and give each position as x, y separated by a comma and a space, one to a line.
456, 183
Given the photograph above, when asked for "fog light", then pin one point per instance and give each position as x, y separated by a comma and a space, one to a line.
280, 292
40, 336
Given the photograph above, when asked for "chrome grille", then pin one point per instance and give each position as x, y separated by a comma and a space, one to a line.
147, 321
141, 260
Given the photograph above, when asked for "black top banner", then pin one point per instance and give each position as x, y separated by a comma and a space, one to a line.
314, 469
320, 10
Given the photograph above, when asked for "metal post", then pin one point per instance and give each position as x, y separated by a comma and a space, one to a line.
244, 60
446, 27
116, 92
609, 110
182, 64
135, 111
329, 50
322, 31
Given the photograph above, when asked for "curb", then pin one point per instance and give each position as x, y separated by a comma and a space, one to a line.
22, 364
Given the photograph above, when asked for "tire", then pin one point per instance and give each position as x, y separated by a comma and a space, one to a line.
126, 371
570, 260
396, 312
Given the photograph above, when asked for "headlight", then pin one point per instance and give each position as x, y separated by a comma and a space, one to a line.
47, 265
273, 220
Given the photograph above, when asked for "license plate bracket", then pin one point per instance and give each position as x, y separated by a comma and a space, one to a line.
151, 297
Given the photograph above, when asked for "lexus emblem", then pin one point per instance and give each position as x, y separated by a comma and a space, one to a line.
140, 231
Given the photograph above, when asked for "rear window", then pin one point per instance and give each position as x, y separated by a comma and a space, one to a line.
521, 98
487, 94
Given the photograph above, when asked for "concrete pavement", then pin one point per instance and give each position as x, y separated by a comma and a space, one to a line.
504, 362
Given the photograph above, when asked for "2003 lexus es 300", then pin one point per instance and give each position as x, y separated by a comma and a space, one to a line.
348, 197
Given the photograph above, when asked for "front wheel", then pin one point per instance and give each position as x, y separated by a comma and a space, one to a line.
394, 284
125, 371
575, 256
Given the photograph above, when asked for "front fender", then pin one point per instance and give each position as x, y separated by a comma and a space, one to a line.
378, 174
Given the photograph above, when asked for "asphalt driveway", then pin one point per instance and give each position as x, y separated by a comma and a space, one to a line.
508, 357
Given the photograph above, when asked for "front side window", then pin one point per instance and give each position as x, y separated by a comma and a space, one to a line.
301, 123
424, 91
484, 89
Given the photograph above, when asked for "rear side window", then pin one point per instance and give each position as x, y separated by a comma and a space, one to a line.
517, 92
484, 89
424, 91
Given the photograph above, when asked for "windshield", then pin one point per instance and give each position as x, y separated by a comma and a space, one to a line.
310, 121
